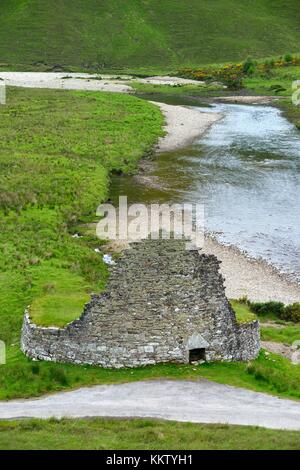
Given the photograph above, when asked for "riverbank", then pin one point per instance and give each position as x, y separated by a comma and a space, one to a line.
246, 99
255, 279
246, 277
183, 125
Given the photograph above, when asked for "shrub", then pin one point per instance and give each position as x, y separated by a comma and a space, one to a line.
231, 75
249, 66
298, 125
278, 309
292, 313
288, 58
265, 308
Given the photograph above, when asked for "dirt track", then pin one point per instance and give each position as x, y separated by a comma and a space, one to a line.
187, 401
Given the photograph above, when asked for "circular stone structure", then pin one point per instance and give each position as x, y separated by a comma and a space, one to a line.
163, 303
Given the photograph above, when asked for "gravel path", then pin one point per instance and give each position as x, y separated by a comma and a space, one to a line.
186, 401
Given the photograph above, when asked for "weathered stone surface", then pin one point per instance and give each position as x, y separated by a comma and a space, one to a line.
161, 301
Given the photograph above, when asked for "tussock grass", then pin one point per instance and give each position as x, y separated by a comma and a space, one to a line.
141, 434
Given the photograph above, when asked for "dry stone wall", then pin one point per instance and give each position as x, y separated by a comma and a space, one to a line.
161, 303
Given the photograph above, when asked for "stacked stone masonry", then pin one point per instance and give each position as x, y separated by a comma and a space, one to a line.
162, 302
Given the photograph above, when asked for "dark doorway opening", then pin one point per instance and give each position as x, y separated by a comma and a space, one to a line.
197, 355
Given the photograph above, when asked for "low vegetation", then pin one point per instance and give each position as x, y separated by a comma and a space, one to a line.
139, 434
186, 90
286, 333
266, 77
268, 310
21, 377
243, 312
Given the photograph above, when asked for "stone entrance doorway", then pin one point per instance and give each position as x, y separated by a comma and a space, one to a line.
196, 355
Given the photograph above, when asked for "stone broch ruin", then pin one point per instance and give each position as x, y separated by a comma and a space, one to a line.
162, 304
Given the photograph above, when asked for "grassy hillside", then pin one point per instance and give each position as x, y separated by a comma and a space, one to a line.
138, 33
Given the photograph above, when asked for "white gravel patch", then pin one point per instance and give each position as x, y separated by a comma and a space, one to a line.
167, 80
256, 280
64, 81
185, 401
184, 125
85, 81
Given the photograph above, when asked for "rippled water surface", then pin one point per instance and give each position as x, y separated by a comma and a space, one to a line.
246, 171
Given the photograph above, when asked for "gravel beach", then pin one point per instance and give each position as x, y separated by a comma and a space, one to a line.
254, 279
184, 125
65, 81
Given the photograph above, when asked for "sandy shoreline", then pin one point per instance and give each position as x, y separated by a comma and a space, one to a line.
254, 279
243, 276
183, 125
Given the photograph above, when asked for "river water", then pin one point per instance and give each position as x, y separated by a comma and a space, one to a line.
246, 171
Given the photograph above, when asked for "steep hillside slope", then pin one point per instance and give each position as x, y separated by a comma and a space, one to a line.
145, 32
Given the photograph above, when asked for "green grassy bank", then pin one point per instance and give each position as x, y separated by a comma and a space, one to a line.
139, 33
22, 378
57, 151
146, 434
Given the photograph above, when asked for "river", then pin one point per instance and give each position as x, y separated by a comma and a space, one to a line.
246, 171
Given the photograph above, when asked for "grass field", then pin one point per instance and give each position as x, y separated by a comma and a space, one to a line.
285, 334
57, 151
146, 434
143, 33
242, 312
